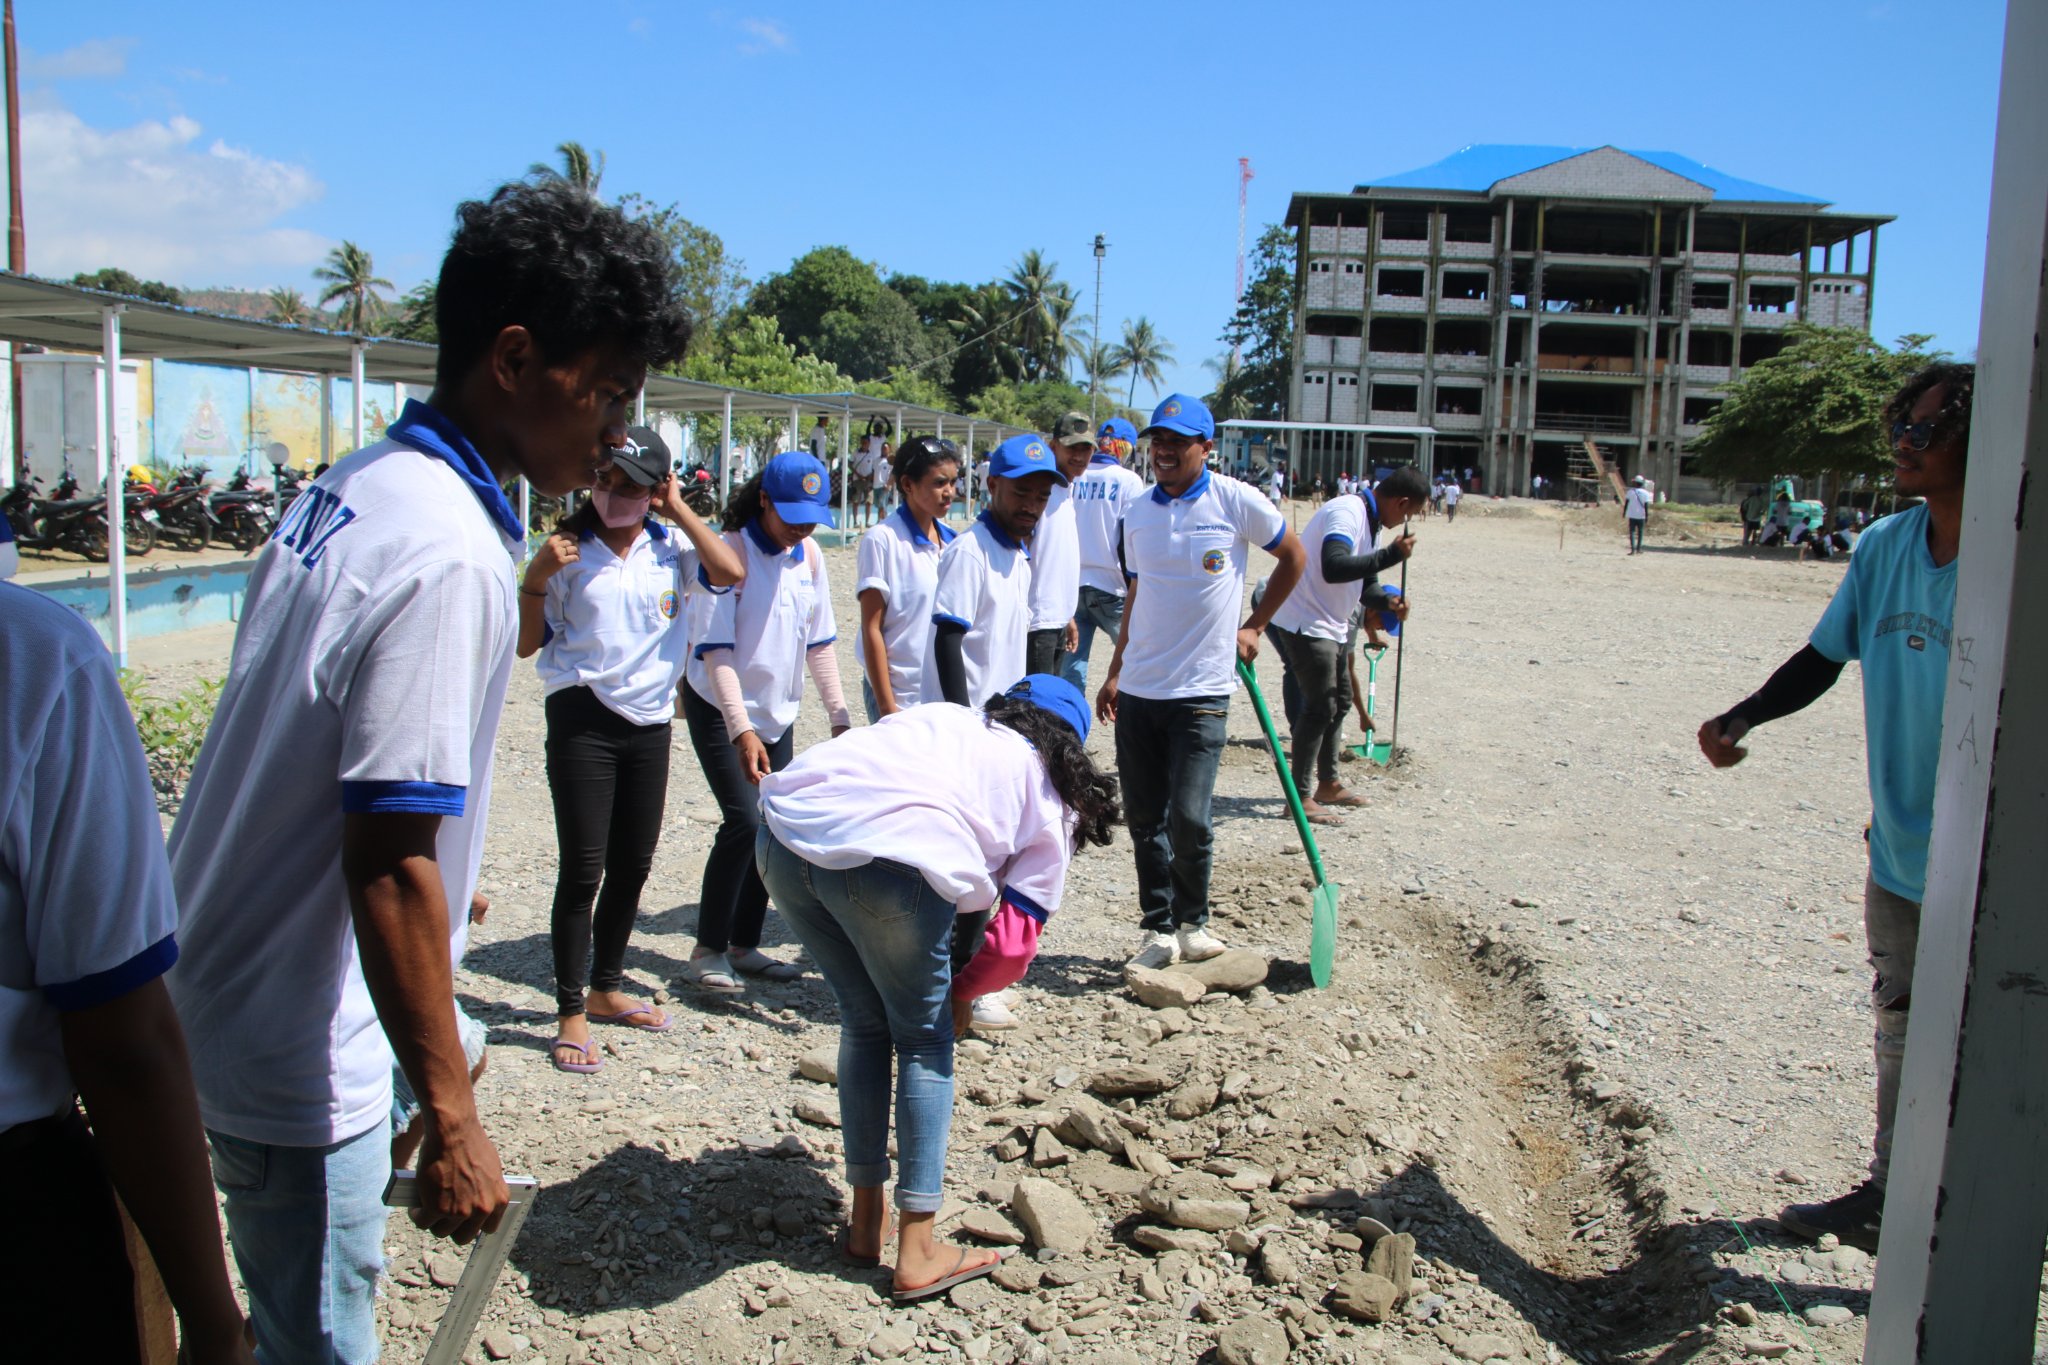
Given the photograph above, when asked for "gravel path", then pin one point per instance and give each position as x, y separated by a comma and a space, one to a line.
1587, 990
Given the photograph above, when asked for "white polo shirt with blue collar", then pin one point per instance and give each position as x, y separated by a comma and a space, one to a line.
619, 625
1187, 556
368, 676
781, 612
1100, 497
984, 587
900, 562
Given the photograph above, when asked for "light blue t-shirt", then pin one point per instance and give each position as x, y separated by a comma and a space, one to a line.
1894, 612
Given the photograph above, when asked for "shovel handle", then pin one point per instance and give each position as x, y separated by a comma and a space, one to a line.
1308, 839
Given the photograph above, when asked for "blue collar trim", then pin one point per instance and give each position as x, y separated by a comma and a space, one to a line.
1372, 509
1195, 490
917, 535
1103, 459
995, 528
655, 530
769, 547
431, 433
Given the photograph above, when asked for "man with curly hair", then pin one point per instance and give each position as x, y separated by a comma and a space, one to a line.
329, 842
1894, 612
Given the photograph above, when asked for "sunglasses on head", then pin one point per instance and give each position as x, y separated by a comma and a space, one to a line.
1913, 435
937, 446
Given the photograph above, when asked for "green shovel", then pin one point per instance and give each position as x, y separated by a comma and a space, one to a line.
1322, 941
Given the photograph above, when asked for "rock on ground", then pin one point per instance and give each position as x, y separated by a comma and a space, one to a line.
1053, 1215
1252, 1341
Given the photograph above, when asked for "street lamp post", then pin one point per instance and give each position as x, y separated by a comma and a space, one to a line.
1095, 353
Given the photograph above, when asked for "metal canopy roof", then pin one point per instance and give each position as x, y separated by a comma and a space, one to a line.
69, 317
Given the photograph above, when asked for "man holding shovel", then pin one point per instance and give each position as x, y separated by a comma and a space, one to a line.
1168, 691
1312, 627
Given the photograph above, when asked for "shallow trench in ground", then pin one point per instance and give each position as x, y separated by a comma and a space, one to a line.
1468, 1110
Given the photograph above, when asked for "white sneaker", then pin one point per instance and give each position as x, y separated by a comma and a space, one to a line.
991, 1015
1156, 951
1197, 944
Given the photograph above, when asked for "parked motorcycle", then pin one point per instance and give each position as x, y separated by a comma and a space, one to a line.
243, 513
184, 519
64, 522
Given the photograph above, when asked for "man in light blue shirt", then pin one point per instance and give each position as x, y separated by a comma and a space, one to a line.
1893, 612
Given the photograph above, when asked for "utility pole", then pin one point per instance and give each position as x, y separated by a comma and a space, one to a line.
17, 236
1095, 357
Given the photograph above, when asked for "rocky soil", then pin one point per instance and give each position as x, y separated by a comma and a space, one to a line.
1597, 1012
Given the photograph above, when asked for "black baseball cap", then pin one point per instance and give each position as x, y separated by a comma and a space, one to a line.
644, 457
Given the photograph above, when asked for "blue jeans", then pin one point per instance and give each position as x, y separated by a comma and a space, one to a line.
1167, 753
882, 938
1098, 610
307, 1228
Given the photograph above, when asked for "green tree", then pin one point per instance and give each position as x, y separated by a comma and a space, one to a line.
1142, 353
580, 167
1042, 305
1261, 331
415, 320
1035, 404
288, 306
983, 333
1101, 363
1815, 409
709, 282
112, 280
351, 277
1228, 400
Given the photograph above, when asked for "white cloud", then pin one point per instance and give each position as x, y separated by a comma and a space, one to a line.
158, 201
765, 35
93, 59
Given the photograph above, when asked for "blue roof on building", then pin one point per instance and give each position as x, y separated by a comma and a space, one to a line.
1476, 169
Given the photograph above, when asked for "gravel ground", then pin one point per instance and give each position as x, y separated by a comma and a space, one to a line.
1598, 1012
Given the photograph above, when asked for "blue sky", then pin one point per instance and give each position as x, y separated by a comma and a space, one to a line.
217, 144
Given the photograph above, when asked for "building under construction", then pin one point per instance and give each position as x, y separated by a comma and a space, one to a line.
1512, 307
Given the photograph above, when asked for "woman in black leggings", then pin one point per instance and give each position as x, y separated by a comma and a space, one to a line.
602, 604
741, 696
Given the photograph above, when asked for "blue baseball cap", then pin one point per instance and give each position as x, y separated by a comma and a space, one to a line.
1186, 415
1021, 455
1117, 429
798, 489
1056, 695
1390, 624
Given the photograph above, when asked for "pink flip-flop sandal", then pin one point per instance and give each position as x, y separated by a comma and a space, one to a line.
590, 1065
624, 1019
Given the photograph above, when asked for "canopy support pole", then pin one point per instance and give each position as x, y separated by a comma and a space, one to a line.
114, 481
355, 385
725, 454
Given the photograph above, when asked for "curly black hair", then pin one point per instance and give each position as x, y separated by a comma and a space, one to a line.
1083, 788
575, 272
1953, 421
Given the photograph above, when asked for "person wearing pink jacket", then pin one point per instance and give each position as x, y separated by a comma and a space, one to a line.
872, 847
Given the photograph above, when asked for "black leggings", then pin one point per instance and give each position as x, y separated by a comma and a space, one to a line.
609, 778
733, 904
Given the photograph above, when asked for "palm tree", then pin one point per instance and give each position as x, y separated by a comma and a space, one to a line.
1142, 354
288, 306
580, 167
1099, 362
1042, 303
350, 277
1231, 398
985, 315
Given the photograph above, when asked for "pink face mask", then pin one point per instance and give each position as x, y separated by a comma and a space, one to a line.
619, 510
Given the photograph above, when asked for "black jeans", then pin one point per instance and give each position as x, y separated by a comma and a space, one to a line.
1167, 753
733, 904
1635, 532
1321, 691
1042, 652
66, 1290
609, 778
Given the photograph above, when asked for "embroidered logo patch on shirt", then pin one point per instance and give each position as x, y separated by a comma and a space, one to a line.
1214, 561
669, 604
